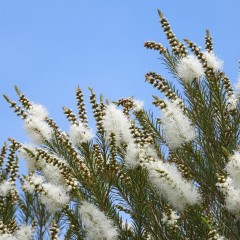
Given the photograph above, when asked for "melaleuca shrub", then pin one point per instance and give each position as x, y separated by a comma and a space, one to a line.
168, 174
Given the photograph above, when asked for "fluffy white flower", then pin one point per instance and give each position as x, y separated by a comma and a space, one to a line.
38, 111
189, 69
53, 174
237, 87
233, 168
176, 126
38, 130
219, 237
96, 224
31, 162
24, 233
115, 121
232, 196
137, 105
80, 134
169, 183
7, 236
136, 154
213, 61
172, 219
56, 197
231, 102
32, 181
6, 187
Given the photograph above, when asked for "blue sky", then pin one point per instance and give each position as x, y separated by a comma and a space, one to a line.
49, 47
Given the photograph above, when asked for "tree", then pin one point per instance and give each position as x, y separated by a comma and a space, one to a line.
138, 177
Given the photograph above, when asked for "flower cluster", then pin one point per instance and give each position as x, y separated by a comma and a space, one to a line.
115, 121
23, 232
96, 224
168, 182
55, 197
177, 126
35, 125
189, 69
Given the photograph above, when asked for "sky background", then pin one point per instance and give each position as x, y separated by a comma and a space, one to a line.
49, 47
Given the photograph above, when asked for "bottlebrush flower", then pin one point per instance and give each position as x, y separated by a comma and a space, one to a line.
31, 161
51, 172
79, 134
177, 127
170, 219
213, 61
6, 187
169, 183
189, 69
232, 196
38, 111
96, 224
24, 233
55, 197
231, 102
136, 154
115, 121
137, 105
36, 127
38, 130
233, 168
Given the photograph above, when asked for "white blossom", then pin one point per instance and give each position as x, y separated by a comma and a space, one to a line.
96, 224
137, 105
56, 197
80, 134
189, 69
232, 196
37, 129
32, 181
213, 61
136, 154
7, 236
237, 87
233, 168
38, 111
24, 233
30, 161
176, 125
172, 219
169, 183
219, 237
231, 102
6, 188
115, 121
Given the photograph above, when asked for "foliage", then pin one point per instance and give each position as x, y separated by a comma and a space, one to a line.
138, 177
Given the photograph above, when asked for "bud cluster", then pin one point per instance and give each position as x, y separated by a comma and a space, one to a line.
161, 84
155, 46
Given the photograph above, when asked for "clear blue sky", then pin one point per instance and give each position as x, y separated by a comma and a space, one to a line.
48, 47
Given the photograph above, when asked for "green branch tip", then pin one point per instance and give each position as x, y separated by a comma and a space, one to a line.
64, 108
17, 90
160, 14
186, 40
207, 33
7, 98
91, 90
155, 97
